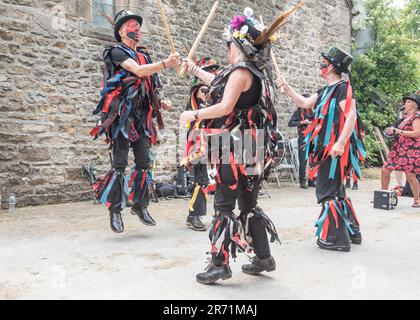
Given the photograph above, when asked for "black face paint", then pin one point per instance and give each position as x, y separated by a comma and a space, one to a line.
133, 36
323, 65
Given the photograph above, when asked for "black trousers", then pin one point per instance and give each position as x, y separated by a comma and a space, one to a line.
326, 188
225, 202
198, 203
302, 158
333, 189
141, 152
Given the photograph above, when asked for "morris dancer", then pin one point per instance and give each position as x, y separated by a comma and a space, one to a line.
239, 103
198, 202
334, 140
129, 102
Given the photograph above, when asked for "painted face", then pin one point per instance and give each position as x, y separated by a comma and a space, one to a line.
132, 30
324, 68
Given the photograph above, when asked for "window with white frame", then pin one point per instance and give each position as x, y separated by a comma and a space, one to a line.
103, 11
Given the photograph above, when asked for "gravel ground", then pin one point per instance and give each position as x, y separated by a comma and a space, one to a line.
68, 252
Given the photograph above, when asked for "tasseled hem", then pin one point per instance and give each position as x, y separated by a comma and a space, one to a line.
112, 190
225, 237
268, 223
330, 213
139, 185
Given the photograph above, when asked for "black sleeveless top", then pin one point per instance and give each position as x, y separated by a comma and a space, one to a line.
252, 96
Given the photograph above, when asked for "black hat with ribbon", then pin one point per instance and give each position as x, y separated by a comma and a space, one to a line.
413, 97
121, 17
340, 59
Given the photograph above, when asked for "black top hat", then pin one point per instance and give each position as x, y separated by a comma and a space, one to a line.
120, 18
340, 59
415, 98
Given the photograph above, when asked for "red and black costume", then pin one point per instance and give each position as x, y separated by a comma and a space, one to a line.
338, 223
127, 108
241, 167
198, 202
296, 121
253, 111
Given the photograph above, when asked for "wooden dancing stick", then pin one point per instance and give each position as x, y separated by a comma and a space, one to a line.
274, 61
166, 28
280, 21
203, 30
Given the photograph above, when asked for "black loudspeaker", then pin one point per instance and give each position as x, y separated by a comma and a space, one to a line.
384, 199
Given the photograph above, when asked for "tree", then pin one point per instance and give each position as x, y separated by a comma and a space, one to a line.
387, 71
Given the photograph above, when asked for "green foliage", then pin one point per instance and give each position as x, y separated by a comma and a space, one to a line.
388, 69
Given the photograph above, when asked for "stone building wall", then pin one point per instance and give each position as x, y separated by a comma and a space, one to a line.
50, 72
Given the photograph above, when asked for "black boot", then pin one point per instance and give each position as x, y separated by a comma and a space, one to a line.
116, 222
338, 239
356, 238
143, 215
311, 184
355, 186
347, 183
259, 265
214, 273
303, 185
333, 246
195, 223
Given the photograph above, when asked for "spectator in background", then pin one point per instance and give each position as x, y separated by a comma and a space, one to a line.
301, 119
405, 153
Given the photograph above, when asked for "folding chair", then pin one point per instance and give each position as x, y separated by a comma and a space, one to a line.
294, 151
285, 164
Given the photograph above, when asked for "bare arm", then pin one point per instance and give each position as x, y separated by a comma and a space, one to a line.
350, 121
239, 81
339, 146
146, 70
299, 100
206, 77
411, 134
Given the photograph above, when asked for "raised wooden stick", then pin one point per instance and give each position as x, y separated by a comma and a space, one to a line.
166, 28
274, 61
203, 30
280, 21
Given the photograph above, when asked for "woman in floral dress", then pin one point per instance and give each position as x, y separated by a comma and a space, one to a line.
405, 153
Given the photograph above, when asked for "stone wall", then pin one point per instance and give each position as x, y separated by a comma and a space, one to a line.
50, 72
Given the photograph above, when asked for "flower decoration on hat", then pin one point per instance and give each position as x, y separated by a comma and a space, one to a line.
246, 27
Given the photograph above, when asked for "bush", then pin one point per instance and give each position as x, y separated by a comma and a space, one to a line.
387, 71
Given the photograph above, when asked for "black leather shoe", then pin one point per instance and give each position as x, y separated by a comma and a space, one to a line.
303, 185
214, 273
259, 265
143, 215
116, 222
195, 223
311, 184
347, 184
356, 238
333, 246
355, 186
